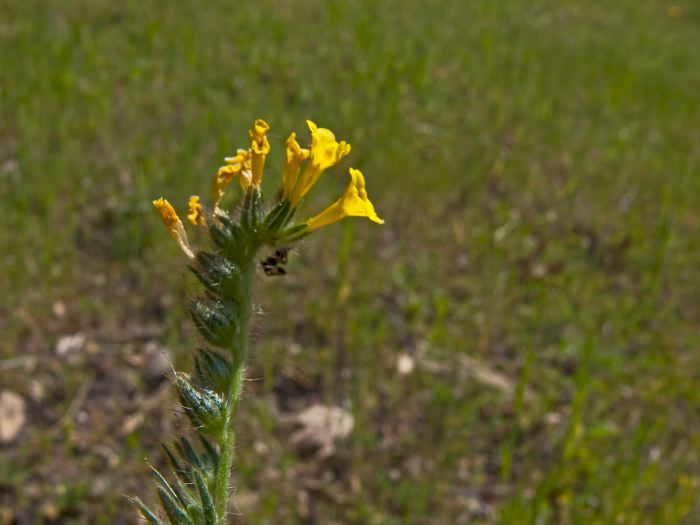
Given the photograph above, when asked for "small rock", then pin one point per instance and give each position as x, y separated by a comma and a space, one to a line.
133, 357
405, 364
132, 423
319, 428
539, 270
655, 454
478, 508
59, 309
9, 166
99, 486
49, 511
12, 416
261, 447
36, 390
111, 458
303, 504
92, 348
553, 418
70, 343
82, 417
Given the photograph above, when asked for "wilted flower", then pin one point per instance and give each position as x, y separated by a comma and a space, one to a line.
174, 225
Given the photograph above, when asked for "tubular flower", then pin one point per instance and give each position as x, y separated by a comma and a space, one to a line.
195, 212
325, 152
353, 203
243, 158
260, 147
295, 156
174, 225
239, 165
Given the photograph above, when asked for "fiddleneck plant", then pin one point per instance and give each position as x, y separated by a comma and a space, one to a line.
198, 492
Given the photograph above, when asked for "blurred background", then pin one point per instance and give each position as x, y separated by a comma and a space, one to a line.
519, 343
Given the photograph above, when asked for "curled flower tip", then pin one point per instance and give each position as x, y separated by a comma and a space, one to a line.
353, 203
259, 147
167, 212
174, 225
195, 212
259, 143
326, 151
295, 156
241, 157
224, 176
238, 165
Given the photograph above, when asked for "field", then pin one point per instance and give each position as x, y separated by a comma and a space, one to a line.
518, 344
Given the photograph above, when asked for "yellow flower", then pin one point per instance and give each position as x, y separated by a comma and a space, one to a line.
174, 225
295, 156
353, 203
240, 165
242, 160
195, 212
325, 152
260, 147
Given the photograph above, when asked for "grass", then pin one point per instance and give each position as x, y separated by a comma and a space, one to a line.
537, 165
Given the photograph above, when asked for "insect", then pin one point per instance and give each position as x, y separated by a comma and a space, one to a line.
274, 263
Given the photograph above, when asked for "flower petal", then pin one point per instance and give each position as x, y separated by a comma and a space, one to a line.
353, 203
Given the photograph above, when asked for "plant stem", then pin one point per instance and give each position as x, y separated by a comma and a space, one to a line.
239, 352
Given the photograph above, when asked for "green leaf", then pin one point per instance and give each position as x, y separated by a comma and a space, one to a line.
211, 453
176, 513
166, 486
207, 500
180, 471
196, 514
277, 216
213, 370
293, 233
184, 495
147, 513
187, 451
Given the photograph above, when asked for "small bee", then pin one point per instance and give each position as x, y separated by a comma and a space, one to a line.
274, 264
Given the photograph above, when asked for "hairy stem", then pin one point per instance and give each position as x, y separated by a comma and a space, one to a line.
239, 352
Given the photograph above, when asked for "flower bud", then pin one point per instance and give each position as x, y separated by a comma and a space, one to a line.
218, 274
215, 320
225, 233
213, 370
205, 408
252, 209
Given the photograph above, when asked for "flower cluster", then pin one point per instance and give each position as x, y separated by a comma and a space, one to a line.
199, 490
302, 169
